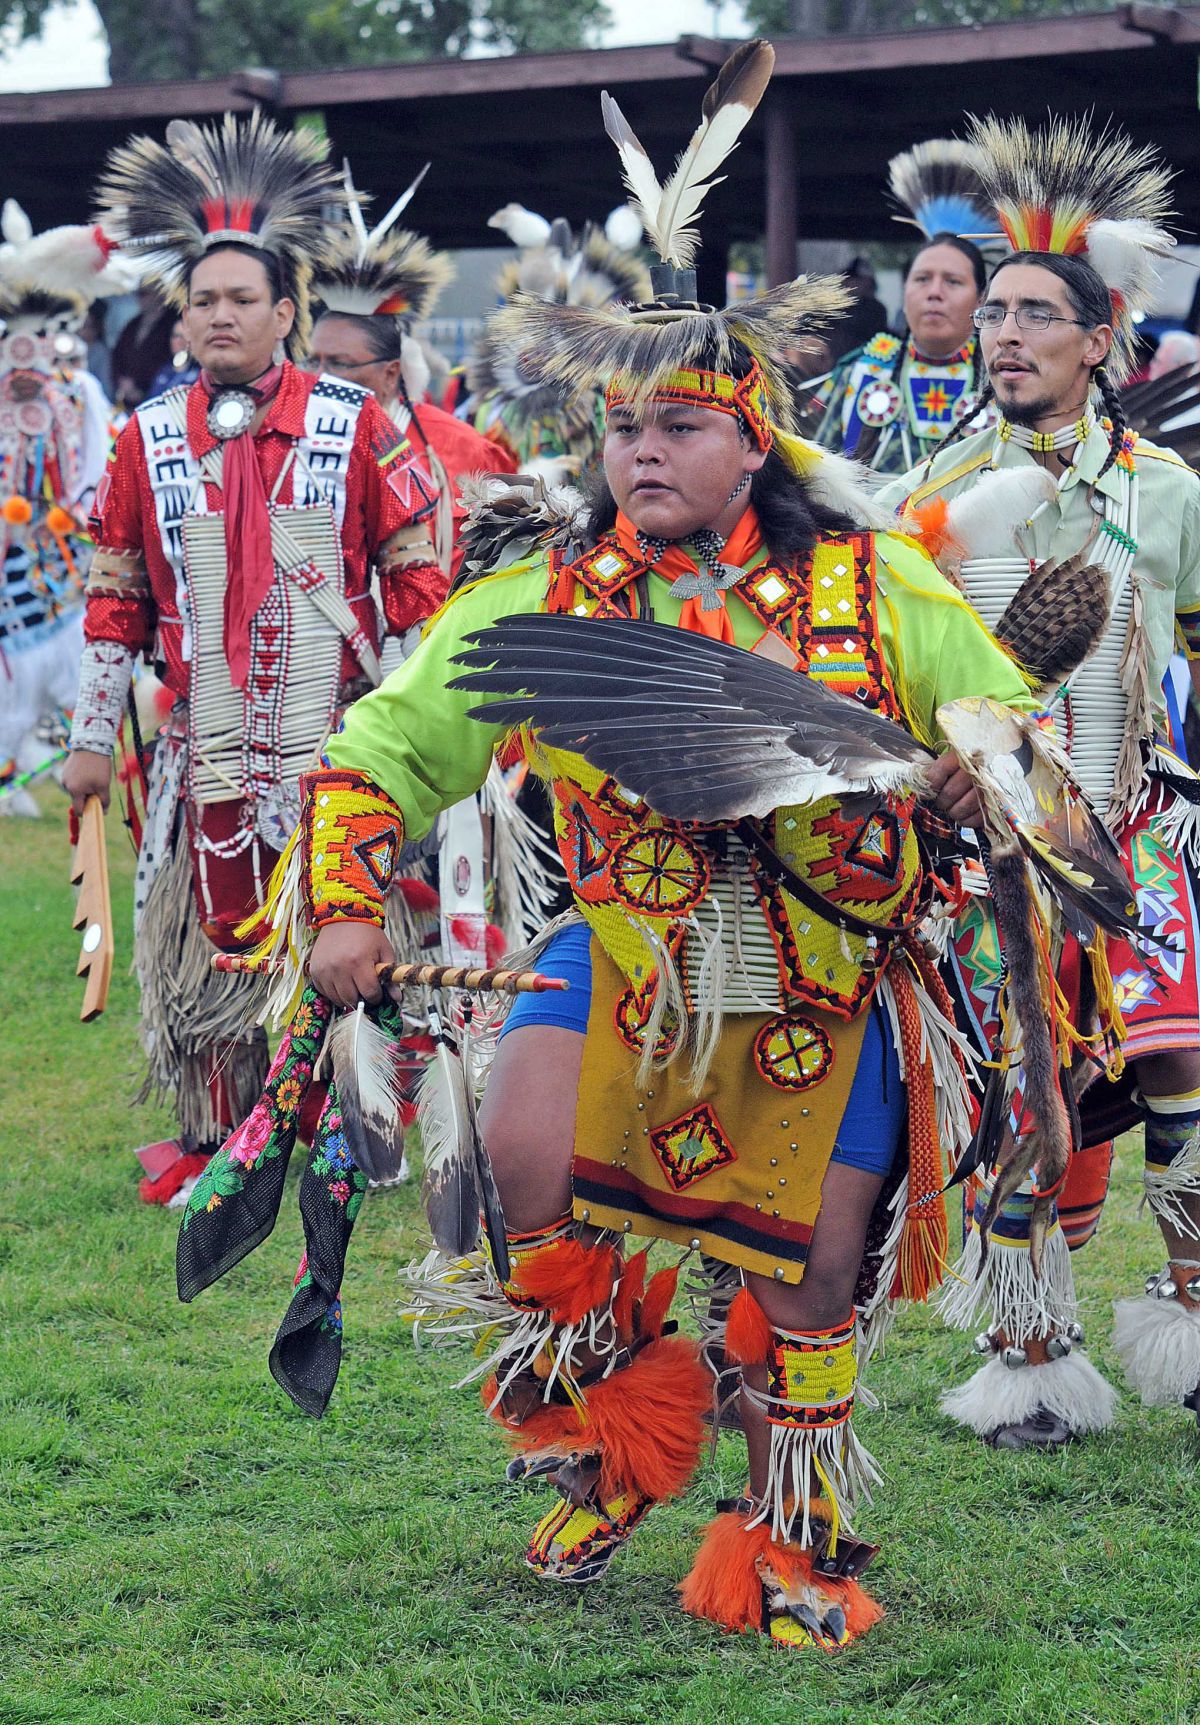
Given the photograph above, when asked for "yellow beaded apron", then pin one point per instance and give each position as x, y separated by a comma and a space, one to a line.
734, 1166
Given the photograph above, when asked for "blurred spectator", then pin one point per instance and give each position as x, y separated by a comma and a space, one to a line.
866, 317
180, 368
99, 360
143, 348
1176, 348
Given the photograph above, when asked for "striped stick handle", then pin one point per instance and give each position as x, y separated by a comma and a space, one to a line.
422, 976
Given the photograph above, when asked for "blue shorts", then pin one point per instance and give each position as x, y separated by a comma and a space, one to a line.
568, 956
876, 1109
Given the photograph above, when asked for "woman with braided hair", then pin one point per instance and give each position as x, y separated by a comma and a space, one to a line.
897, 398
1060, 488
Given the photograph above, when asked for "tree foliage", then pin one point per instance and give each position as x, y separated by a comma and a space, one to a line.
205, 38
862, 17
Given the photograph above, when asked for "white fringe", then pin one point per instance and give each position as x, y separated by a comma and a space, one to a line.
452, 1300
940, 1038
708, 994
1158, 1342
876, 1318
792, 1477
1008, 1293
1071, 1389
708, 1292
526, 868
669, 1001
1165, 1194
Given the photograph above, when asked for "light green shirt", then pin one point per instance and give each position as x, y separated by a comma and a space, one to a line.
1167, 566
412, 736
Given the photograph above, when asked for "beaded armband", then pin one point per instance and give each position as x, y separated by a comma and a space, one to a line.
119, 572
407, 547
351, 834
1187, 631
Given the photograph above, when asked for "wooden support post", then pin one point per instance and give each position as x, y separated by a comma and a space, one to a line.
780, 191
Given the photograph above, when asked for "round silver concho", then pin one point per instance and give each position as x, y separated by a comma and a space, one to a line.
879, 404
231, 413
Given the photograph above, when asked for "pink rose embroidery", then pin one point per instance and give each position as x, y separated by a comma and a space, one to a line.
250, 1139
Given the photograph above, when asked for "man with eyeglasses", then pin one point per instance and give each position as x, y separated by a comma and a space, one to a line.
1060, 477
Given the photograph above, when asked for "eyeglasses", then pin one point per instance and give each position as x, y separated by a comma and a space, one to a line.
1025, 316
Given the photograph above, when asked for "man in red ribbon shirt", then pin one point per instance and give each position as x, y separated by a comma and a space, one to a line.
237, 531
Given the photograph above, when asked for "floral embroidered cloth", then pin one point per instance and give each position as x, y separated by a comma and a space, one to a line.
236, 1202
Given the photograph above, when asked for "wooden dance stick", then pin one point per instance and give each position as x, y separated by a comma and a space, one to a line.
422, 976
93, 909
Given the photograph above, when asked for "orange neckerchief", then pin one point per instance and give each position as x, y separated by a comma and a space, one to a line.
743, 543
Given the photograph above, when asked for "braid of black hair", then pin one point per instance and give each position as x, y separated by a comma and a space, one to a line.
898, 356
976, 363
1111, 397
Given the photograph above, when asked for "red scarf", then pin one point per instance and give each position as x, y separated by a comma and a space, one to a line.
743, 543
249, 559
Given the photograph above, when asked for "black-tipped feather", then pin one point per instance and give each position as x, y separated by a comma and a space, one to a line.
370, 1088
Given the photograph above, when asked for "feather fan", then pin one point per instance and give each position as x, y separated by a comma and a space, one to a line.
669, 212
370, 1088
704, 731
700, 730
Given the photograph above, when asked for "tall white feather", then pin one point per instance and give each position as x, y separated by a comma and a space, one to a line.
354, 207
645, 192
15, 225
397, 209
728, 106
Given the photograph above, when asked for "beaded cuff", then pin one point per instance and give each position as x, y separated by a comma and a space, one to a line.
105, 673
811, 1379
351, 836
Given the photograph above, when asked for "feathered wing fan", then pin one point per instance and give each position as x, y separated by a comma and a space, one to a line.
938, 184
705, 731
669, 212
700, 730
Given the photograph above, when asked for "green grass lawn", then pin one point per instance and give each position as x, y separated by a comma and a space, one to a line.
177, 1543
